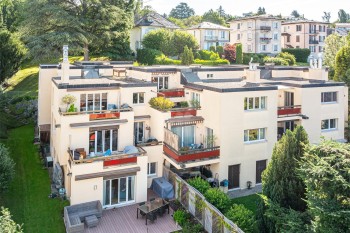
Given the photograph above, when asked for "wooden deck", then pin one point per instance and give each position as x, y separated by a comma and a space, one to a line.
124, 220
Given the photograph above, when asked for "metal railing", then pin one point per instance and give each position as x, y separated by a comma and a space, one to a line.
313, 41
128, 109
211, 37
207, 214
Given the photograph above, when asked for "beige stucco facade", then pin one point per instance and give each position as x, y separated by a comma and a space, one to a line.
304, 34
257, 34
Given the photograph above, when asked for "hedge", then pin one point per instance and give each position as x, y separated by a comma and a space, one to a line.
239, 54
164, 60
300, 55
257, 57
212, 62
277, 60
147, 56
290, 58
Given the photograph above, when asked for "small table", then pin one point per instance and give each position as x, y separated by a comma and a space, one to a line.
91, 221
151, 206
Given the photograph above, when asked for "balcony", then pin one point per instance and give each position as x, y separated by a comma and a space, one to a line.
187, 154
172, 93
313, 41
265, 40
286, 111
211, 38
99, 114
313, 31
265, 28
181, 112
116, 158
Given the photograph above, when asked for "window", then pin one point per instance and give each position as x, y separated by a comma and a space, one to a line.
255, 103
119, 191
195, 99
275, 36
275, 48
138, 98
93, 102
222, 34
163, 82
263, 47
186, 135
250, 24
312, 49
329, 124
254, 134
239, 26
238, 36
139, 132
320, 49
329, 97
103, 140
249, 36
288, 39
297, 39
275, 25
151, 169
249, 48
210, 75
298, 28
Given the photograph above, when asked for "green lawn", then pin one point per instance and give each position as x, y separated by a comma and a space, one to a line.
27, 198
250, 202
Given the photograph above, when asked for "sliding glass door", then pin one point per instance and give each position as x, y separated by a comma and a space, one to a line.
102, 140
186, 135
139, 132
119, 191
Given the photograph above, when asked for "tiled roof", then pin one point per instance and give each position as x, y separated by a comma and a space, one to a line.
208, 25
155, 20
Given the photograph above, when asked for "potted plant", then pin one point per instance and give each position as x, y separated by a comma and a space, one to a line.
195, 104
68, 100
211, 139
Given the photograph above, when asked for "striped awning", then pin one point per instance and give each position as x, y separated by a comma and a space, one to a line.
188, 120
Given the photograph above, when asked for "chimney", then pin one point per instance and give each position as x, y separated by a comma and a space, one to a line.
65, 65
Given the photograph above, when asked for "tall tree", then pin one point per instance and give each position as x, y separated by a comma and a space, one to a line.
333, 43
295, 14
221, 12
12, 53
83, 25
325, 170
159, 39
213, 17
343, 17
326, 16
261, 11
342, 65
181, 11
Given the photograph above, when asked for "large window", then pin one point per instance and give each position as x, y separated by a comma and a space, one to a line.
251, 135
103, 140
329, 97
93, 102
186, 135
298, 28
297, 39
263, 47
275, 36
152, 169
275, 47
138, 98
222, 34
119, 191
255, 103
139, 132
329, 124
195, 99
162, 82
275, 25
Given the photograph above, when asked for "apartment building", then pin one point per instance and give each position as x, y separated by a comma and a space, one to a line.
342, 29
304, 34
113, 145
210, 34
257, 34
146, 24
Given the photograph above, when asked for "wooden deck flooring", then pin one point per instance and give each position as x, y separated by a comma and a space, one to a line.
123, 220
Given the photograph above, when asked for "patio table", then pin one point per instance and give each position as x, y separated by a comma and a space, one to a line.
151, 206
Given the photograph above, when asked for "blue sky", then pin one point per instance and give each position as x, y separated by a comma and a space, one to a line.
312, 9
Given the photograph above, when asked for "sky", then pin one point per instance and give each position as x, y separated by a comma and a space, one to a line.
312, 9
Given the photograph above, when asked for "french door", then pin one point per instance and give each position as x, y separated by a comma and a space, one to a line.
163, 82
288, 99
119, 191
139, 129
103, 140
186, 135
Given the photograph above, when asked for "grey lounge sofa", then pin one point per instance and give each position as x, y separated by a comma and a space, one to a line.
74, 215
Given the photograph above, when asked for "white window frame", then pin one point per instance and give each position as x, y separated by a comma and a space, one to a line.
222, 34
149, 165
275, 48
103, 134
275, 25
138, 98
275, 36
261, 136
263, 47
94, 108
163, 82
335, 122
238, 36
261, 106
332, 97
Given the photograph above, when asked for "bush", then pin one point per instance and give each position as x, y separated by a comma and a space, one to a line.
300, 55
192, 228
160, 40
7, 224
161, 103
181, 217
212, 63
212, 48
7, 168
187, 56
220, 50
342, 65
290, 58
198, 183
164, 60
257, 58
230, 52
277, 60
205, 54
184, 104
239, 54
218, 198
243, 217
147, 56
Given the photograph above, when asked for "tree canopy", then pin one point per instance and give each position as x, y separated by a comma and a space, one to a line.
342, 65
261, 11
333, 43
295, 14
213, 17
181, 11
343, 17
326, 16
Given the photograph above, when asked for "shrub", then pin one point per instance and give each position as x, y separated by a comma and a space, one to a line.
147, 56
160, 40
7, 168
212, 48
68, 99
230, 52
220, 50
300, 55
72, 108
7, 224
192, 228
290, 58
205, 54
342, 65
198, 183
239, 54
243, 217
187, 56
184, 104
277, 60
181, 217
212, 63
218, 198
164, 60
257, 58
161, 103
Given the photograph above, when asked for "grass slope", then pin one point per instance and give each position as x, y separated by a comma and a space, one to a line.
27, 198
250, 202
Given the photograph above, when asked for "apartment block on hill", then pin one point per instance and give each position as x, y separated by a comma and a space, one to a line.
257, 34
114, 143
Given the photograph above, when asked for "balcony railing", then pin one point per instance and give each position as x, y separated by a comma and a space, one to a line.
313, 31
265, 28
116, 158
211, 38
172, 93
183, 112
185, 154
313, 41
265, 40
289, 110
99, 114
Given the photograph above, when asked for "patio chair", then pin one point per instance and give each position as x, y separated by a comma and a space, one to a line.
142, 213
152, 216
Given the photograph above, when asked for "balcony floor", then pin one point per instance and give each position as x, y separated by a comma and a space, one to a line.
124, 219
